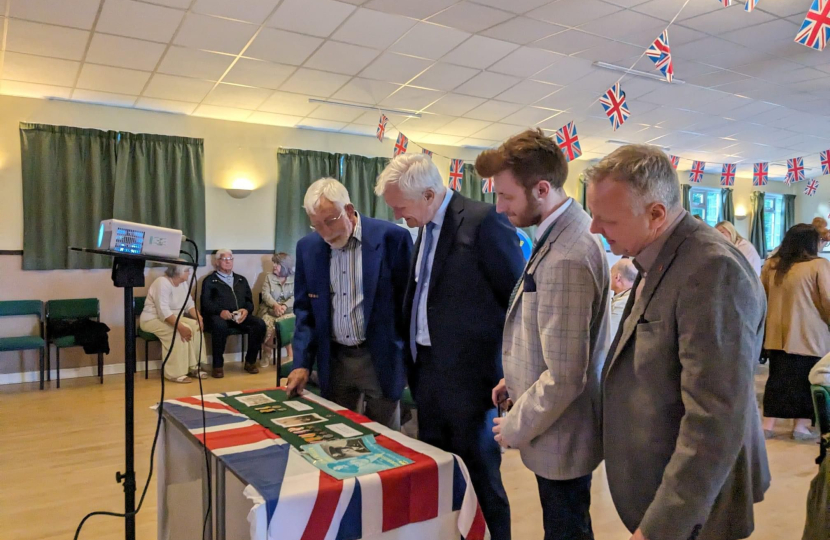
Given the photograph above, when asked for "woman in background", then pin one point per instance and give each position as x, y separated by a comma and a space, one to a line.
165, 299
277, 302
820, 225
797, 283
727, 229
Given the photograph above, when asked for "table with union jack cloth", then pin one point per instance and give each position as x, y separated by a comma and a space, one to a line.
264, 489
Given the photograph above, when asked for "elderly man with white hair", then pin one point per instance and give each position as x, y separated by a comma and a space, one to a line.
349, 286
227, 302
623, 274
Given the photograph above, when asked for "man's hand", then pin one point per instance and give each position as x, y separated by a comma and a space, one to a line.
499, 393
638, 535
185, 332
227, 315
497, 421
243, 314
297, 380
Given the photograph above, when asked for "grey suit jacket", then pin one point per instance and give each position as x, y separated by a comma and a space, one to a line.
684, 449
555, 342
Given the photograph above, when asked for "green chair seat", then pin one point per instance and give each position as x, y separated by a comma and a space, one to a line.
407, 400
22, 343
64, 342
286, 368
147, 336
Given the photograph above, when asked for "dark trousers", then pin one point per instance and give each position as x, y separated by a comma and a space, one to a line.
565, 508
443, 423
218, 327
354, 383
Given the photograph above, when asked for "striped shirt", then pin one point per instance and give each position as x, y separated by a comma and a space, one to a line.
346, 278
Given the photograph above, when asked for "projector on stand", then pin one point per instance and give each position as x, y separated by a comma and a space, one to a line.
139, 239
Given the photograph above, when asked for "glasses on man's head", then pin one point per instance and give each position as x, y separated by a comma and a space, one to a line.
329, 222
225, 258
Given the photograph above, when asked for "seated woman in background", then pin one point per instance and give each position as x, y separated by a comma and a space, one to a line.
797, 283
277, 302
165, 299
727, 229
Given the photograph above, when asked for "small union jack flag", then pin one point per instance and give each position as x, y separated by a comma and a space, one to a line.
812, 187
613, 101
825, 162
696, 174
382, 127
675, 161
815, 31
726, 3
750, 5
456, 173
795, 170
660, 54
401, 144
568, 141
760, 174
487, 185
727, 175
427, 152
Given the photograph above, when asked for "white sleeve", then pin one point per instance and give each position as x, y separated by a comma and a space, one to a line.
165, 301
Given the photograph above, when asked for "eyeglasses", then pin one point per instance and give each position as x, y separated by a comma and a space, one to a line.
329, 222
226, 259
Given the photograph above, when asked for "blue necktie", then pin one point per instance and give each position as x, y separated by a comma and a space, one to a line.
423, 278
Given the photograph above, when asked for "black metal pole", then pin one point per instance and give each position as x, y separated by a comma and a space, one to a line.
129, 394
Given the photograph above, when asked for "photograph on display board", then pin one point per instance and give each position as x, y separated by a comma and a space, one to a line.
300, 420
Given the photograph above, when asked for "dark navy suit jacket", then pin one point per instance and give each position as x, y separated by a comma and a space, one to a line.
386, 250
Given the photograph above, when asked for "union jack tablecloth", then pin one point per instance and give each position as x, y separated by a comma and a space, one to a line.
290, 499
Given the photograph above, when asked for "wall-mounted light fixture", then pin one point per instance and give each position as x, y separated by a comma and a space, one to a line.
740, 212
242, 187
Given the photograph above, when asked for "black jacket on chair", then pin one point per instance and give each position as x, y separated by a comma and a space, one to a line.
217, 296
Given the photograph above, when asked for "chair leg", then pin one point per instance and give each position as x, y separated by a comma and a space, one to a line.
48, 363
146, 359
278, 352
40, 363
101, 367
58, 364
243, 339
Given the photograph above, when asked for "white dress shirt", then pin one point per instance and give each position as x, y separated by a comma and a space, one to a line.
548, 222
422, 335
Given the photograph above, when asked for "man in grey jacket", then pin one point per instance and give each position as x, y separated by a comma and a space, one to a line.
684, 450
555, 335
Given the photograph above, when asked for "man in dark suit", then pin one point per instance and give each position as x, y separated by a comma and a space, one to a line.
467, 260
349, 285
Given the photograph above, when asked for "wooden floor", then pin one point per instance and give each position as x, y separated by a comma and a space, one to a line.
60, 450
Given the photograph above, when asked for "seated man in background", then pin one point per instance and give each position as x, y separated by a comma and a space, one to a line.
623, 274
226, 303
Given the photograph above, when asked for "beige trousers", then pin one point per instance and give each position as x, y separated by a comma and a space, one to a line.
185, 356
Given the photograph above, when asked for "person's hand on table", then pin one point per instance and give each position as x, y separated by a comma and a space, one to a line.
297, 380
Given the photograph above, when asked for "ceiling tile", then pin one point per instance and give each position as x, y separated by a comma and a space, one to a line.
515, 6
194, 63
445, 140
715, 78
341, 58
315, 83
764, 36
370, 118
313, 17
177, 88
178, 4
725, 20
566, 70
366, 131
165, 105
613, 52
455, 105
529, 116
444, 77
523, 30
271, 119
480, 52
112, 79
527, 92
667, 10
573, 12
124, 52
37, 69
254, 11
323, 125
334, 112
570, 42
78, 14
524, 62
46, 40
385, 29
258, 73
292, 104
498, 132
282, 47
463, 127
411, 99
625, 24
429, 41
418, 10
240, 97
477, 143
470, 17
103, 98
493, 110
139, 20
785, 8
395, 68
214, 34
427, 123
365, 91
222, 113
487, 85
16, 88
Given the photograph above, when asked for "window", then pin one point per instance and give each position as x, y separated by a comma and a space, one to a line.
705, 202
773, 220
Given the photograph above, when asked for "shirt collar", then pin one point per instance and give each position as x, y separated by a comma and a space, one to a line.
442, 210
224, 275
648, 255
548, 222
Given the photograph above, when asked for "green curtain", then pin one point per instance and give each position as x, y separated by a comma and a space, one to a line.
471, 186
160, 181
727, 208
296, 171
789, 212
757, 236
686, 197
583, 193
359, 174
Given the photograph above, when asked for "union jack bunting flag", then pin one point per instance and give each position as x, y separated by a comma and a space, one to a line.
760, 174
568, 141
727, 175
660, 54
427, 152
294, 500
487, 185
382, 127
613, 101
401, 144
675, 161
812, 187
815, 31
456, 173
825, 162
795, 170
696, 174
725, 3
750, 5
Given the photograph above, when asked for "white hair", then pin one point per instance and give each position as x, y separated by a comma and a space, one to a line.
626, 269
327, 188
413, 173
173, 270
218, 255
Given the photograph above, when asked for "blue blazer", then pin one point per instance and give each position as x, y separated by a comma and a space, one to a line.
386, 249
